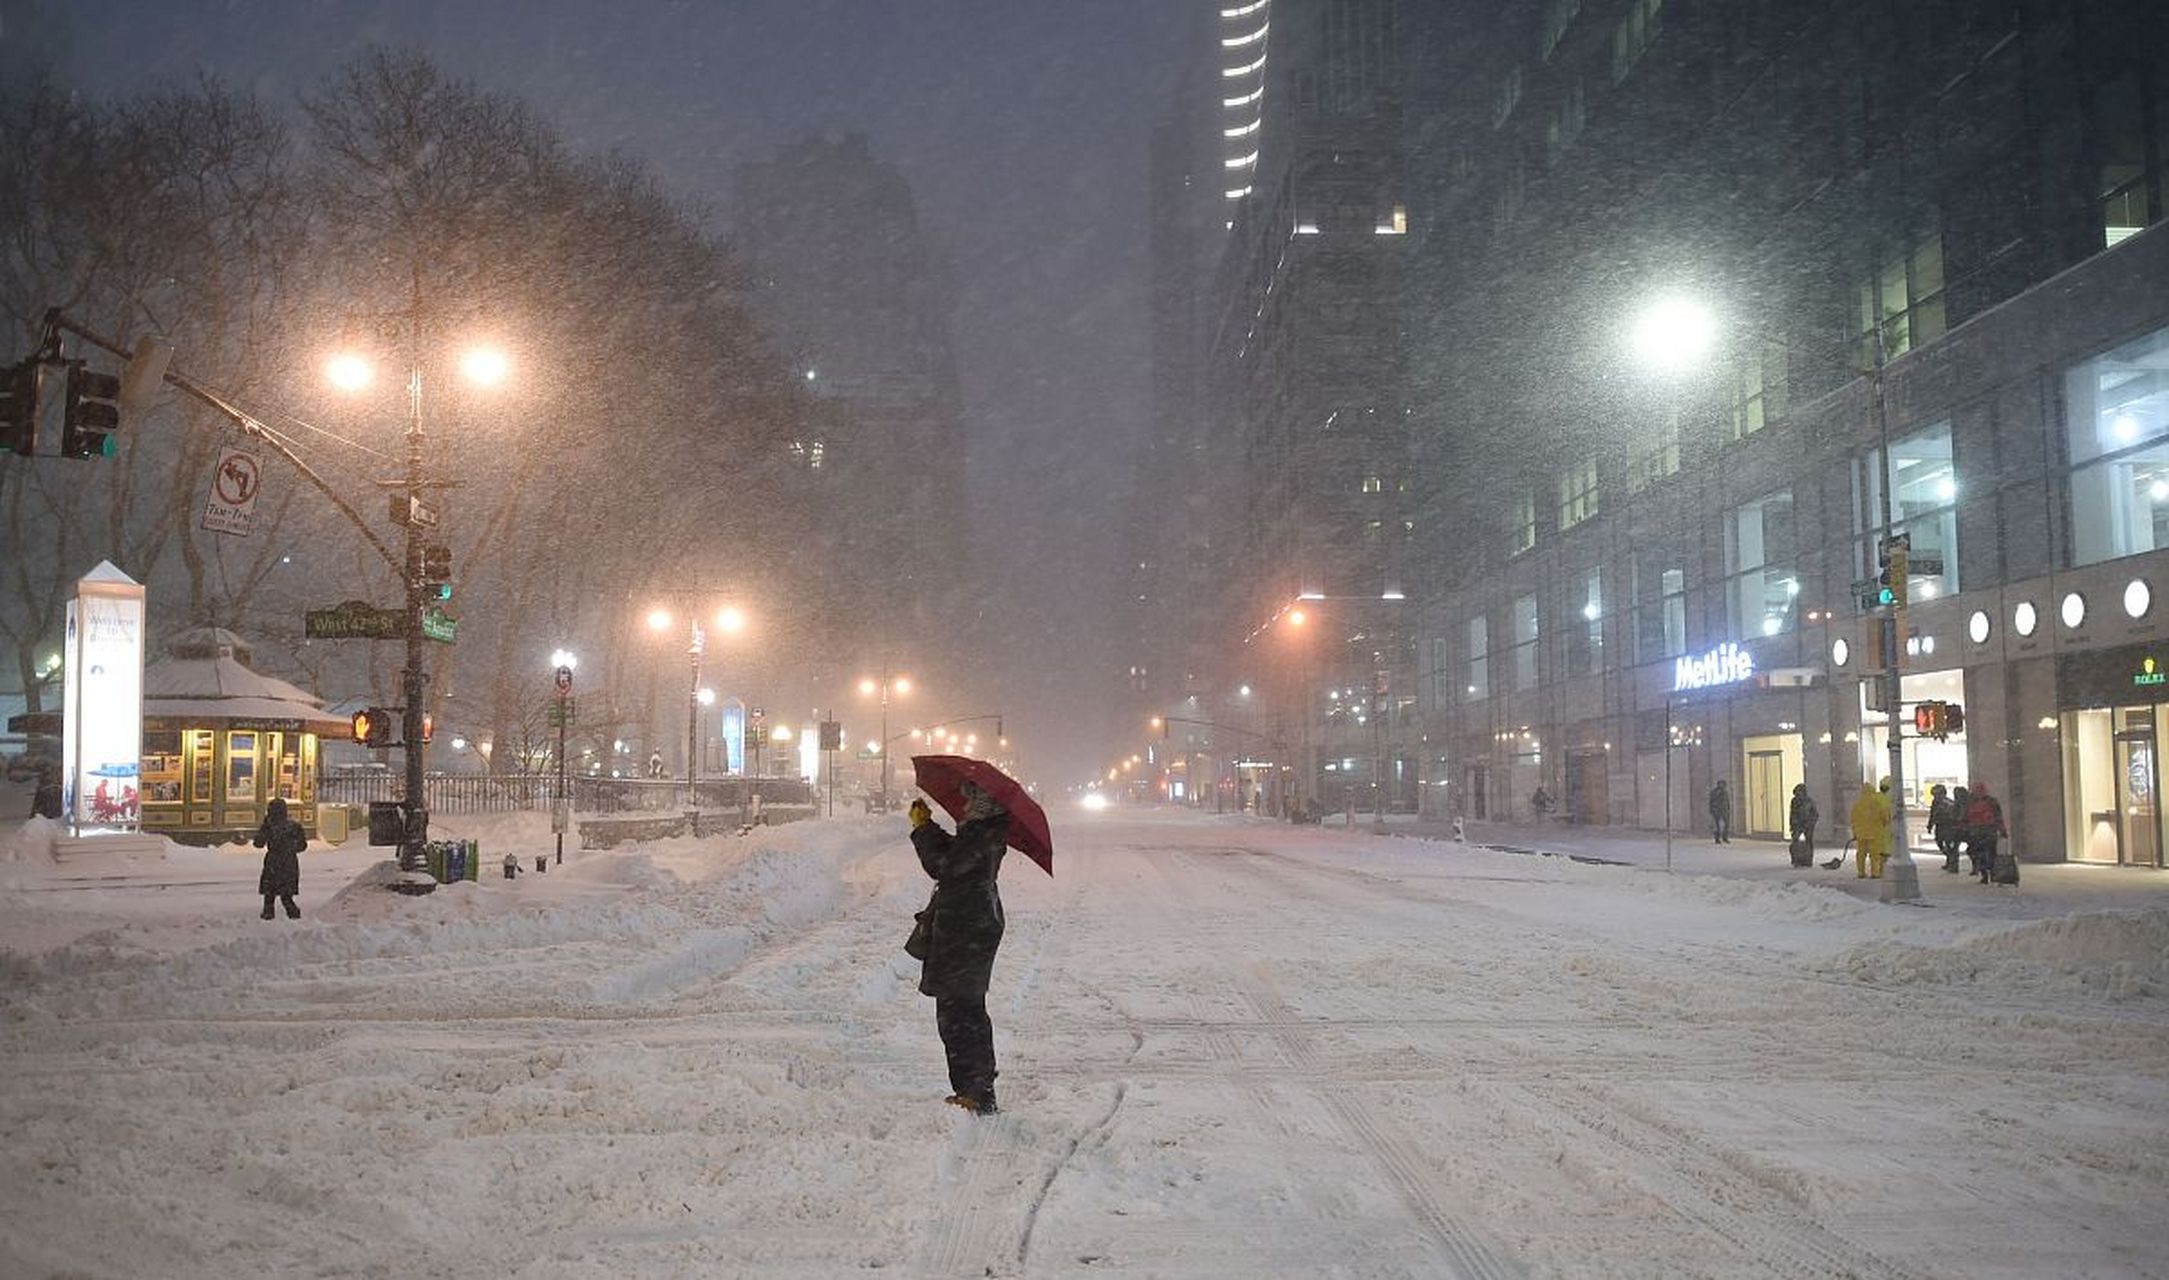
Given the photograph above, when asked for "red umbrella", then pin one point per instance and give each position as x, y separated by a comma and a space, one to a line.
943, 777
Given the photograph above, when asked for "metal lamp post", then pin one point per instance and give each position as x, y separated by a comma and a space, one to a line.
869, 686
349, 371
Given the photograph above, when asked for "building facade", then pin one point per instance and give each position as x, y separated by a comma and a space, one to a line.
1299, 475
1925, 237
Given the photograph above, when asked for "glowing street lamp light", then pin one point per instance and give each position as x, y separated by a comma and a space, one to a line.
484, 366
1674, 333
349, 372
887, 684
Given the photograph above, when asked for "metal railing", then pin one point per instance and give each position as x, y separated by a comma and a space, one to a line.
514, 792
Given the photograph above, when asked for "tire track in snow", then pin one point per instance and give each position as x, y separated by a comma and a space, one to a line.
1694, 1181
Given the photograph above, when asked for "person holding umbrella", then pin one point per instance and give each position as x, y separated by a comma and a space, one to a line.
964, 930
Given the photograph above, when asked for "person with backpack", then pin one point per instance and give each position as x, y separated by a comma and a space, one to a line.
282, 840
1944, 817
1802, 820
1985, 830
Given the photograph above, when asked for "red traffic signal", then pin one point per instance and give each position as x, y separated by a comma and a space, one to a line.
1927, 718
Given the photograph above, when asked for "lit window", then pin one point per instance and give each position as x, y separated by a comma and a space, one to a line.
1396, 223
2074, 610
1903, 297
1577, 494
1977, 626
2138, 598
1758, 390
1372, 484
1524, 530
1762, 585
2024, 618
2116, 426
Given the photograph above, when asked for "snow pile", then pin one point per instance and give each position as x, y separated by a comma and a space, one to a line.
34, 840
2118, 955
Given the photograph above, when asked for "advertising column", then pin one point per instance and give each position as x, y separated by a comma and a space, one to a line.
102, 731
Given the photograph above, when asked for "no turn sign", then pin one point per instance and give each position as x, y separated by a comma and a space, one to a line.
235, 482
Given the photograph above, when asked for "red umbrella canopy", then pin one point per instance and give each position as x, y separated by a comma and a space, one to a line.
943, 777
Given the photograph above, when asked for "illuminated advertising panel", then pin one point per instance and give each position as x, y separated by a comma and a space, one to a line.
102, 730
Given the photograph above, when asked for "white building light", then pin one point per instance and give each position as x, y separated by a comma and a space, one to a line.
1237, 73
1237, 42
1244, 11
1243, 130
1246, 100
1241, 162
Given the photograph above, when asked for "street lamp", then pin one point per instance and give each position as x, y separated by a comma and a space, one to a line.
353, 371
889, 683
1678, 333
562, 663
728, 619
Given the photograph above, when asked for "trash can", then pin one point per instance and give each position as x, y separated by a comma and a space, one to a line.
334, 822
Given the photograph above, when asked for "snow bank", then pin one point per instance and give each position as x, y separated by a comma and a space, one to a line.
2116, 955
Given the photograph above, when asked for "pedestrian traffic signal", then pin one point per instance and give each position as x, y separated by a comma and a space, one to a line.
1938, 720
19, 408
429, 726
373, 726
90, 411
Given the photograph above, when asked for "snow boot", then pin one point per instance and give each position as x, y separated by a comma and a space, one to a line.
977, 1104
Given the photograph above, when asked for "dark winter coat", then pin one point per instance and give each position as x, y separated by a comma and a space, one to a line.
1804, 813
1720, 802
1944, 818
282, 840
965, 916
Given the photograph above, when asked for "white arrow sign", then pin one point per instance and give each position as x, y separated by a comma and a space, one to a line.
235, 482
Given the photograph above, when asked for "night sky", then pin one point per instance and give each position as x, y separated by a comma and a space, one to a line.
1021, 126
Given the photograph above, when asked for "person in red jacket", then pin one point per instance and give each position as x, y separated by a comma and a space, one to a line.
1984, 828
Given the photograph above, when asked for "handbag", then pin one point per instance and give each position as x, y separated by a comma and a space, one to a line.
922, 933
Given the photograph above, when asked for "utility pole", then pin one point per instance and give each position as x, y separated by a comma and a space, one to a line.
413, 851
1901, 878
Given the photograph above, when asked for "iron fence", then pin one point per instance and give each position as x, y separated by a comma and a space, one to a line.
513, 792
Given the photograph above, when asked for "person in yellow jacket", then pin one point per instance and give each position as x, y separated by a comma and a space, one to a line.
1871, 830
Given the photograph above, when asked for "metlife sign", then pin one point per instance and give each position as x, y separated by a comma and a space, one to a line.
1726, 664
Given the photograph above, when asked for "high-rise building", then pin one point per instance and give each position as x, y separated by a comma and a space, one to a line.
1298, 471
860, 300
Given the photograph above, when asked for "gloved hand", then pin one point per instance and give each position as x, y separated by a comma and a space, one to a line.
920, 814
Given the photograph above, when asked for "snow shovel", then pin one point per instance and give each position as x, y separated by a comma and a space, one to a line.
1839, 861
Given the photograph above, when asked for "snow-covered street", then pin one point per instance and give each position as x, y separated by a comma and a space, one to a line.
1228, 1048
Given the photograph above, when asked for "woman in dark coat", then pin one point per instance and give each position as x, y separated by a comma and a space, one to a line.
282, 840
964, 929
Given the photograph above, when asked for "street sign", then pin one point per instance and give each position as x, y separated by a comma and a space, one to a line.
561, 713
407, 509
832, 735
564, 680
235, 482
354, 620
436, 626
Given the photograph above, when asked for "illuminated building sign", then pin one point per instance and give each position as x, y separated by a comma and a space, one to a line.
1726, 664
102, 731
2150, 674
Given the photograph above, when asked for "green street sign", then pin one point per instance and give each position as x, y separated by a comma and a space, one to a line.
354, 620
435, 626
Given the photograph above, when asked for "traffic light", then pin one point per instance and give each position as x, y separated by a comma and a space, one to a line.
437, 573
90, 412
429, 726
1891, 582
373, 726
1954, 719
19, 408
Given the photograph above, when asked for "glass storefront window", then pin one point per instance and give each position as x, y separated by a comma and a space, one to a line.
1927, 762
1660, 606
1479, 681
2117, 434
1525, 642
2112, 785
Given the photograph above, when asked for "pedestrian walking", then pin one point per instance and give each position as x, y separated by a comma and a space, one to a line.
1944, 823
963, 924
1801, 822
1985, 832
655, 763
1721, 812
1871, 831
282, 840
